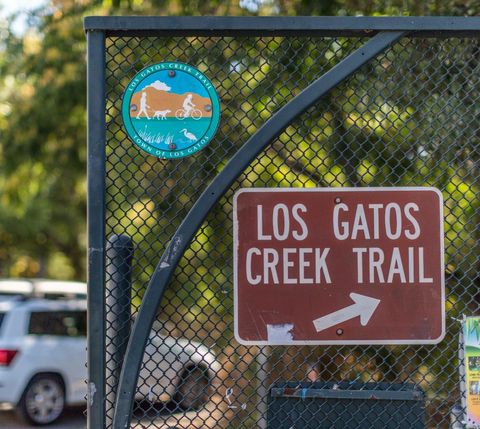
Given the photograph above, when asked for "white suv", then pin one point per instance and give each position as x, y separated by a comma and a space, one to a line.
43, 353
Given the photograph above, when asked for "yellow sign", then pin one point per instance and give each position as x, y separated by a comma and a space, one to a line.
472, 368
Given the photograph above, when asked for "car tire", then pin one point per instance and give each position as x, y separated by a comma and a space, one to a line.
43, 400
193, 388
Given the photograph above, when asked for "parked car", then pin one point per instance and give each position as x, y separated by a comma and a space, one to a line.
43, 354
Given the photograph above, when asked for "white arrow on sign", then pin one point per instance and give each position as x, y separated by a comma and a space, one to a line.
364, 307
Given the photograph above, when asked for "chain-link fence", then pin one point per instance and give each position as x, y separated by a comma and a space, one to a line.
409, 117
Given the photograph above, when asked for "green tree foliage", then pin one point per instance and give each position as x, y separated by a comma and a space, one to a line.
42, 144
42, 121
43, 133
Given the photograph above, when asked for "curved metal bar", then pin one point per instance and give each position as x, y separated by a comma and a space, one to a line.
190, 225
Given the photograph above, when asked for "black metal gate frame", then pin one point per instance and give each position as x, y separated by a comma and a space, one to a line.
381, 33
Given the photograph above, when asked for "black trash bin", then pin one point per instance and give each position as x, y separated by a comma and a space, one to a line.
326, 405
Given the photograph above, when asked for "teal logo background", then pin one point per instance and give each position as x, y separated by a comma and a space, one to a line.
170, 110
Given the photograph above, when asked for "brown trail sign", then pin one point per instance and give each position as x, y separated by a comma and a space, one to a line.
339, 266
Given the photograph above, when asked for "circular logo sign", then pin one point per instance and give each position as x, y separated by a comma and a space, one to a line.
170, 110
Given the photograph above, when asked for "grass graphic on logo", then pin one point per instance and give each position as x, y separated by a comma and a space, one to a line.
155, 138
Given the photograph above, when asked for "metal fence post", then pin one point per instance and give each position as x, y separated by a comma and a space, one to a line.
118, 294
262, 385
96, 230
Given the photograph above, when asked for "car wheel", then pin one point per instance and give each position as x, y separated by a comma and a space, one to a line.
43, 400
193, 388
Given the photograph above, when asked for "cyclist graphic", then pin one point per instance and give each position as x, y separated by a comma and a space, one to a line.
143, 106
188, 105
189, 110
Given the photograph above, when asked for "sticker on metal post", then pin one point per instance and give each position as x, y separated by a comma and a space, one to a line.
170, 110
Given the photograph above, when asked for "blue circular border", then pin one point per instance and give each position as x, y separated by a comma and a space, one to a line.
174, 153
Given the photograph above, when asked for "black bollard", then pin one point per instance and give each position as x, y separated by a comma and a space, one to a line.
118, 300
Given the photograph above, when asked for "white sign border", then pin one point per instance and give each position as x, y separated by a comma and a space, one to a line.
338, 342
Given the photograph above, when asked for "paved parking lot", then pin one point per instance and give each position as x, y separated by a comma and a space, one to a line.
72, 419
163, 417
